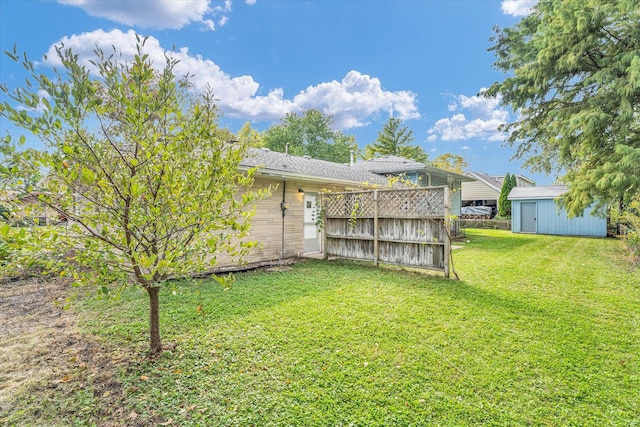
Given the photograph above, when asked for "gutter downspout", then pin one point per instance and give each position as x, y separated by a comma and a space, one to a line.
283, 208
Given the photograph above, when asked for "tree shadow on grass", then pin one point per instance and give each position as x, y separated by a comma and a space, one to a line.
259, 290
251, 291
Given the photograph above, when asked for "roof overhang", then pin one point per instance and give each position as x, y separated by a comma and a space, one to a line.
481, 179
537, 193
451, 176
273, 173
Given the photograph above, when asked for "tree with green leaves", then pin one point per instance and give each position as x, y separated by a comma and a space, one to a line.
6, 150
574, 80
395, 140
504, 205
514, 182
135, 162
250, 137
20, 171
310, 134
450, 162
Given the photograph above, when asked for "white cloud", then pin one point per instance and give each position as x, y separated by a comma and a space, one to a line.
356, 98
518, 7
164, 13
353, 100
476, 117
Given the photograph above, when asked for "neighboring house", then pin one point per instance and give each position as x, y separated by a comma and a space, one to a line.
534, 210
485, 189
418, 173
24, 209
521, 180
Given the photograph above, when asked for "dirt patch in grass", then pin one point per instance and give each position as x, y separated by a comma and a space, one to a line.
46, 362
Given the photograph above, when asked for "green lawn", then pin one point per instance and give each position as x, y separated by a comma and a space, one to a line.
540, 330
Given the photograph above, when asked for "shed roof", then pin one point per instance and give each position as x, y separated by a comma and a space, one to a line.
547, 192
284, 165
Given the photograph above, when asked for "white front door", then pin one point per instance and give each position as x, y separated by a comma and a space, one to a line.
311, 234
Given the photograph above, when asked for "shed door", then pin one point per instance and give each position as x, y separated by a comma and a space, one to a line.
311, 235
528, 217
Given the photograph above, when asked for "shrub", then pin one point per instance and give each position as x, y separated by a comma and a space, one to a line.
628, 220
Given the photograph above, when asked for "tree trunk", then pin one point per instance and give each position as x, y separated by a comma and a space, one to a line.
155, 343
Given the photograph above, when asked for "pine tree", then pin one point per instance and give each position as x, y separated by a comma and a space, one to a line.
504, 205
395, 140
514, 182
573, 75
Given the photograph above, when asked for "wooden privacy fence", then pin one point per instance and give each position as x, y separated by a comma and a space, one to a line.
408, 227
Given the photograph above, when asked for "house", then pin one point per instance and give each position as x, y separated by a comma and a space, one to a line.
285, 225
485, 189
521, 180
534, 210
420, 174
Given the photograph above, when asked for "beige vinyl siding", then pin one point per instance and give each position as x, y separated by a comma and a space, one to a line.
266, 225
524, 182
478, 190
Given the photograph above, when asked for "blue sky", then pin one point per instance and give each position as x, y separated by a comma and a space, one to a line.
362, 61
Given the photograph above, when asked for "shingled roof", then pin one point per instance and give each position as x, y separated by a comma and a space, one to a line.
487, 179
389, 164
283, 165
398, 165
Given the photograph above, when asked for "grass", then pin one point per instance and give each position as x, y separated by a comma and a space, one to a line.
540, 330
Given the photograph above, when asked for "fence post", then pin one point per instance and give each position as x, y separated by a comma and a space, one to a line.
323, 201
447, 230
375, 228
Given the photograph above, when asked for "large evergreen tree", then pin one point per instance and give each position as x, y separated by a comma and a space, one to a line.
396, 140
574, 80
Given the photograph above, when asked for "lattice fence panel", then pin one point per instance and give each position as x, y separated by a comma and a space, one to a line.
402, 227
412, 203
355, 204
